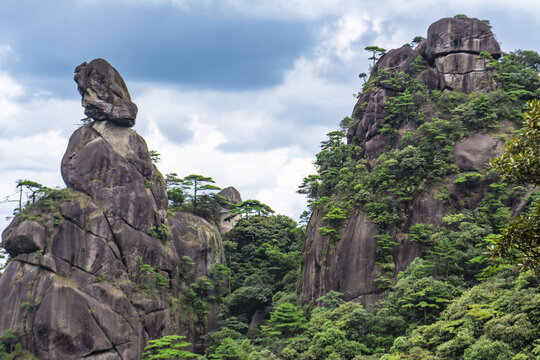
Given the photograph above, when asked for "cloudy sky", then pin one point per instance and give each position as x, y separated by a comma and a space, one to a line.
241, 90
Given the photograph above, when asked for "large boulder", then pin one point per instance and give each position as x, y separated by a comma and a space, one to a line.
460, 35
104, 93
475, 151
24, 237
226, 222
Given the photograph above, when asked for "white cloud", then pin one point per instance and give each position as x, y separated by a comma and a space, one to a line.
191, 127
36, 158
271, 135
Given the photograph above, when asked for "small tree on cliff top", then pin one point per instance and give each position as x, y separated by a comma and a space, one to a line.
377, 52
250, 207
198, 183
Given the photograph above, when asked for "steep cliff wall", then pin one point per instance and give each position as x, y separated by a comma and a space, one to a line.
446, 61
96, 267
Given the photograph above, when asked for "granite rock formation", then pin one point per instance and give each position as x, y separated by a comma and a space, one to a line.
446, 60
226, 223
96, 268
104, 93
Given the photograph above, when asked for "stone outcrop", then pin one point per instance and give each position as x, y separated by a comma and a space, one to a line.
460, 35
226, 222
348, 267
475, 151
96, 268
448, 59
104, 93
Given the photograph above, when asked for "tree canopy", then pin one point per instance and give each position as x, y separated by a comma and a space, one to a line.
520, 162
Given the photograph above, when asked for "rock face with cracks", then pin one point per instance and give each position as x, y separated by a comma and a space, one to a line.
104, 93
83, 282
227, 223
448, 59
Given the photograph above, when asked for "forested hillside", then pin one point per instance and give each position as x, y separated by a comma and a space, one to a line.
421, 240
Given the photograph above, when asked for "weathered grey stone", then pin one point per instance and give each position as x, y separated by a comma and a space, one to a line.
431, 78
85, 251
104, 93
113, 166
159, 323
109, 355
232, 195
197, 238
128, 144
460, 63
464, 71
79, 210
15, 285
349, 267
475, 151
371, 111
81, 296
397, 60
64, 326
134, 244
375, 146
450, 35
25, 237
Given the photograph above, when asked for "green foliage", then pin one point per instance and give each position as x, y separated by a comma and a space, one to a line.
250, 207
520, 241
175, 192
419, 297
161, 232
521, 159
196, 188
376, 52
422, 314
11, 348
496, 319
229, 350
198, 183
148, 279
478, 113
167, 348
468, 180
416, 40
286, 320
154, 156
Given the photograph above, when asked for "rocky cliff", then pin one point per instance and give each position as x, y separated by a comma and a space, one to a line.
97, 267
448, 60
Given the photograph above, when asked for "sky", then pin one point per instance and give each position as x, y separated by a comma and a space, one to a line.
241, 91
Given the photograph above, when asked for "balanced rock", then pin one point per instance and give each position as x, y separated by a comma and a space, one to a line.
104, 93
96, 270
